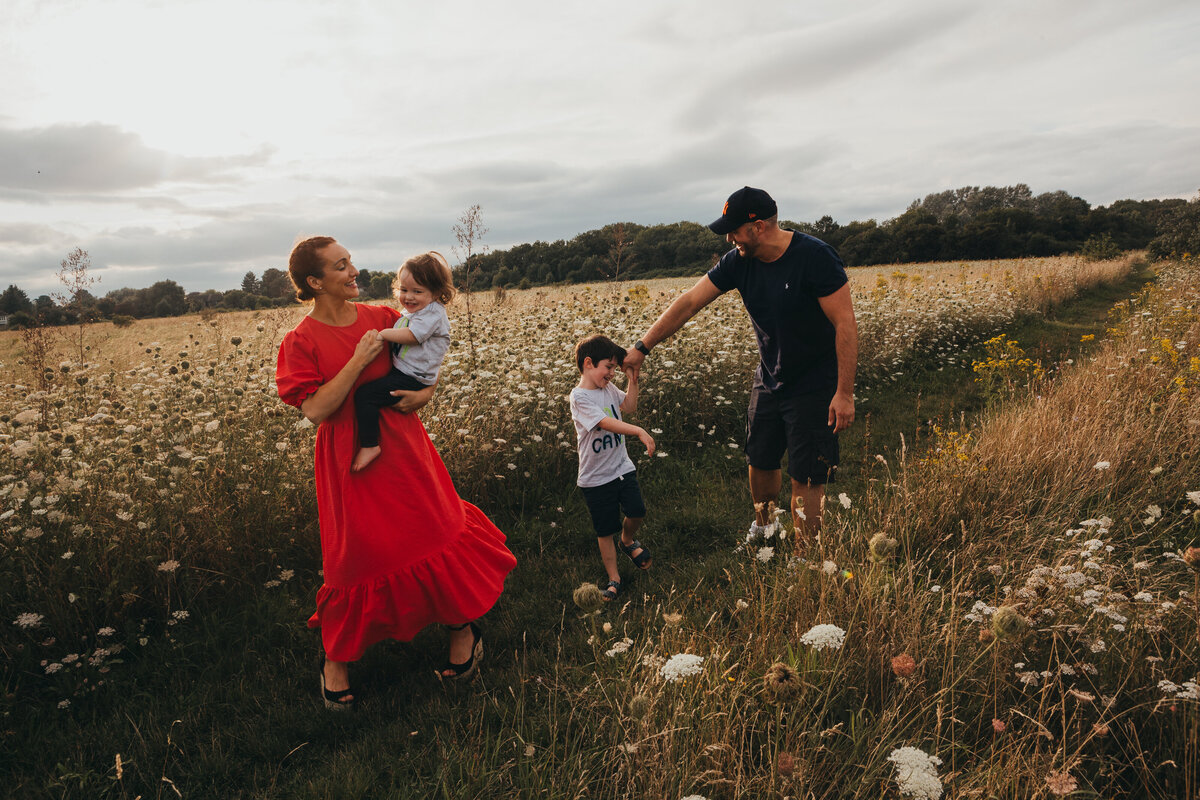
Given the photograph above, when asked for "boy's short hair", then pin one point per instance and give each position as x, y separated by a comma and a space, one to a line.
598, 348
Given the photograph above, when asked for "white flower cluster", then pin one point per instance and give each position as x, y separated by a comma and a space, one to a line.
824, 637
619, 647
1190, 690
916, 773
680, 666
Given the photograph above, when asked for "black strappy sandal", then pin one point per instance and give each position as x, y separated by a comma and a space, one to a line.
611, 591
468, 669
337, 701
642, 559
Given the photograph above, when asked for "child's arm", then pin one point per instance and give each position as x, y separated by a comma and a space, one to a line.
629, 404
625, 429
397, 336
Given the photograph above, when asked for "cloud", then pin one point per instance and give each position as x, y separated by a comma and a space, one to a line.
98, 158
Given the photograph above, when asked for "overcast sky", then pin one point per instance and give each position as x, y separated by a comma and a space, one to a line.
195, 140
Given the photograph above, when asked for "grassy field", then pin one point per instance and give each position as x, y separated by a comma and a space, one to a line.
1004, 567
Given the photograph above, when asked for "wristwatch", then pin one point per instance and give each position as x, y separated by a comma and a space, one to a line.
640, 346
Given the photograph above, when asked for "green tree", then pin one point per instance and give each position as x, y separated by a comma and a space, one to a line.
13, 300
276, 283
251, 284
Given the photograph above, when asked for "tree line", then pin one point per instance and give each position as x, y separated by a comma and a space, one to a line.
968, 223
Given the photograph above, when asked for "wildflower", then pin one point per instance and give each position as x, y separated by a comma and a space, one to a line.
765, 553
28, 620
821, 637
998, 725
606, 627
785, 765
781, 683
53, 668
64, 703
903, 665
1194, 497
844, 500
881, 547
168, 566
180, 614
588, 597
106, 631
916, 773
741, 604
680, 666
1061, 783
618, 648
1101, 465
673, 618
829, 568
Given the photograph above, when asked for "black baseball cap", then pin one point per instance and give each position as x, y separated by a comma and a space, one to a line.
745, 205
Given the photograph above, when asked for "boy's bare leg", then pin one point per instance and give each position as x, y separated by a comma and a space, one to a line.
364, 457
608, 554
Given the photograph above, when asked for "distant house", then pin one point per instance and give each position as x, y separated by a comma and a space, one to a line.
3, 321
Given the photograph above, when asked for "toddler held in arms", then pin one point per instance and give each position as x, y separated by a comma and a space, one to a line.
419, 339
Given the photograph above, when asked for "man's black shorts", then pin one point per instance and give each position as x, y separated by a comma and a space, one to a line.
798, 425
608, 500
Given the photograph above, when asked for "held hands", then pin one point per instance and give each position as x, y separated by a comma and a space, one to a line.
841, 412
368, 346
632, 363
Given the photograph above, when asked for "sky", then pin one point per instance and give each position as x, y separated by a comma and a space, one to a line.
195, 141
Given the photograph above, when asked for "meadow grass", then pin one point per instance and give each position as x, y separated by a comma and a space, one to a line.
181, 488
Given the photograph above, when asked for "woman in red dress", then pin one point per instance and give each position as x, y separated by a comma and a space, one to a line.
399, 547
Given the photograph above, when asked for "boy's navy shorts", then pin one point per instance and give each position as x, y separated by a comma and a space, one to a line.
606, 502
798, 425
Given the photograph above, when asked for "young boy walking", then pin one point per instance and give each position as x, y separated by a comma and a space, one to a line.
607, 476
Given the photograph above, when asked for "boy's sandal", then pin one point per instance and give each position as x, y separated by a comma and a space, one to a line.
611, 591
642, 559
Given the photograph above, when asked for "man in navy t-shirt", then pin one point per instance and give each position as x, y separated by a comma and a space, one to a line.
796, 292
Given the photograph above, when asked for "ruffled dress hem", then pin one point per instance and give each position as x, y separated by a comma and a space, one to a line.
459, 584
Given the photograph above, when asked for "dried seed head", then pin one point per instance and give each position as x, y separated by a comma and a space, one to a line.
781, 683
903, 665
639, 705
1191, 557
588, 597
786, 765
1007, 623
882, 547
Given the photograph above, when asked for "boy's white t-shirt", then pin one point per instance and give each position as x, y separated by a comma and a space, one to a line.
422, 360
602, 454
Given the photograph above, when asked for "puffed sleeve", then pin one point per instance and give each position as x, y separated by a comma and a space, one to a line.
296, 375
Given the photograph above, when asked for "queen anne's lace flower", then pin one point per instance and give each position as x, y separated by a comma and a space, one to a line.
916, 773
821, 637
680, 666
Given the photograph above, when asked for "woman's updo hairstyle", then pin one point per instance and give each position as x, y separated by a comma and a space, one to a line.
305, 262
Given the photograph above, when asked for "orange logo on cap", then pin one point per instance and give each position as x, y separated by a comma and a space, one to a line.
725, 210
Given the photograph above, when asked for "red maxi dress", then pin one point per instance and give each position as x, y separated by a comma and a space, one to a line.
400, 548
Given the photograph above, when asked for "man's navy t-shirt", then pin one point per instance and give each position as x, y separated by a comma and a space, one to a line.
795, 338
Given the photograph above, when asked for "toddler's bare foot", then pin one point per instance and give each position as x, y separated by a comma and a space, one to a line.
364, 457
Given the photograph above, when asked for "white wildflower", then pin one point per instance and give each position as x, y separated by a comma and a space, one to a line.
1101, 465
822, 637
916, 773
829, 568
28, 620
680, 666
168, 566
765, 553
844, 500
618, 648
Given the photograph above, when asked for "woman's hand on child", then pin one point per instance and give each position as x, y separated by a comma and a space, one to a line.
407, 402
